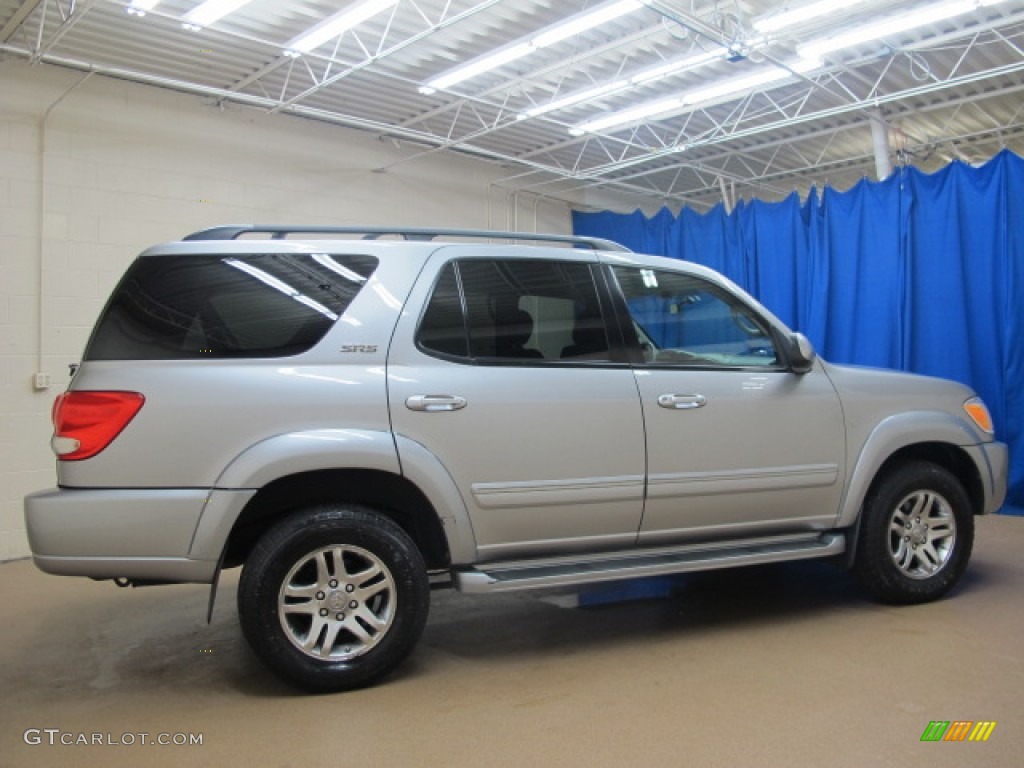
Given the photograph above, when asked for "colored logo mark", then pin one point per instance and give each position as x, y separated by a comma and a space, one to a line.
958, 730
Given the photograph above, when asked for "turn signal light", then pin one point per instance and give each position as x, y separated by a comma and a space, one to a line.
84, 422
979, 414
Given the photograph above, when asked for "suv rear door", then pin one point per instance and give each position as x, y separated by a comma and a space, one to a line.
509, 378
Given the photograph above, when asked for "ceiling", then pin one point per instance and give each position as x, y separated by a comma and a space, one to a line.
951, 89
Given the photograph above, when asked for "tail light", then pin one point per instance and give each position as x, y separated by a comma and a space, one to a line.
84, 423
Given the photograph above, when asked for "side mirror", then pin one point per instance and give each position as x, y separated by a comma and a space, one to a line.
801, 353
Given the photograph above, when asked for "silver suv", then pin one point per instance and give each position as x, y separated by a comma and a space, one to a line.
357, 419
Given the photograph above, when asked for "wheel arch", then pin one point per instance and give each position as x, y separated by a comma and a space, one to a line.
947, 456
286, 472
930, 435
389, 494
950, 457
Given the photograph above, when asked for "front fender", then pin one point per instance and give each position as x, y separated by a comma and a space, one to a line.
893, 433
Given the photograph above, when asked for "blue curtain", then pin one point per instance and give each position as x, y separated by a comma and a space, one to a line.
919, 272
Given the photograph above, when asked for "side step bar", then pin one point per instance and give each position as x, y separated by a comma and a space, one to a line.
567, 572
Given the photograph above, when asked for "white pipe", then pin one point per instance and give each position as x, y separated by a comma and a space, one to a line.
42, 217
490, 205
880, 142
725, 195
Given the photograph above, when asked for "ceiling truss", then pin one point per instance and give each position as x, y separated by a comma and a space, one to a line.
950, 92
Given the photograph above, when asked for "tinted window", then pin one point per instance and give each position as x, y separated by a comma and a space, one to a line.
265, 305
443, 328
516, 310
684, 319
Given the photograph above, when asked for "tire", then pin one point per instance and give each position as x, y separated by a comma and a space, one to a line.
916, 534
333, 598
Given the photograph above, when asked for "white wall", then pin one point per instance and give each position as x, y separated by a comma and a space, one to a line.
125, 166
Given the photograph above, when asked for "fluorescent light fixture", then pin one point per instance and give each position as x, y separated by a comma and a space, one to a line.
207, 13
575, 98
581, 22
677, 66
338, 24
574, 25
799, 15
478, 67
750, 82
890, 25
649, 75
678, 103
139, 7
642, 112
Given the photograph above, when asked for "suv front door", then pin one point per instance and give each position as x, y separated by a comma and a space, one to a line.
508, 377
737, 444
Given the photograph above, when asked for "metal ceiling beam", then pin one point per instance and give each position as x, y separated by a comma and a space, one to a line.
867, 160
260, 73
15, 22
765, 175
1010, 126
536, 75
75, 16
447, 140
863, 104
726, 133
602, 158
222, 94
909, 93
352, 69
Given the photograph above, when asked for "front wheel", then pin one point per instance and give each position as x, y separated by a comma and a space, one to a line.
916, 535
333, 598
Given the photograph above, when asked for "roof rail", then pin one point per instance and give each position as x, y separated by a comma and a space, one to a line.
280, 232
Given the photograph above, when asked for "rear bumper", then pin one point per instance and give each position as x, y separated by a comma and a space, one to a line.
111, 533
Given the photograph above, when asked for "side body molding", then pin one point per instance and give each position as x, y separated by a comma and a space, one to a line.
896, 432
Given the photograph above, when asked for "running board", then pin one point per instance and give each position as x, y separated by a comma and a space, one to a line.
568, 572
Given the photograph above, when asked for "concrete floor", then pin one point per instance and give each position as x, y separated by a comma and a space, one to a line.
782, 666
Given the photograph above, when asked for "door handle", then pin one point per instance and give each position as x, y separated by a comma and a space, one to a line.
432, 403
682, 402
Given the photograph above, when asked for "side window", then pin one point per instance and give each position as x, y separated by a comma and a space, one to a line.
681, 319
244, 306
443, 328
515, 309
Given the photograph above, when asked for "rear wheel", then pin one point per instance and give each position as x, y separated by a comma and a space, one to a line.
333, 598
916, 535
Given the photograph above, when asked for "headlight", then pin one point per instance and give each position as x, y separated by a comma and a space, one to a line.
979, 415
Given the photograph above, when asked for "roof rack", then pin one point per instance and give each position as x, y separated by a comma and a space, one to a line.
280, 232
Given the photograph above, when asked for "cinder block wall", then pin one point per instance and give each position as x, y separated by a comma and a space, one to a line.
124, 166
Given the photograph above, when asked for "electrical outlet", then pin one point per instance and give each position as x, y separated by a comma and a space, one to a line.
41, 381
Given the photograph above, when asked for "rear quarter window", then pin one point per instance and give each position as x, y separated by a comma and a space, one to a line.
237, 306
